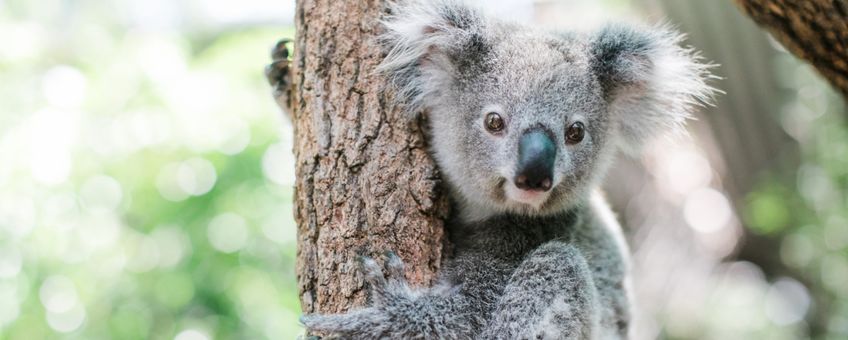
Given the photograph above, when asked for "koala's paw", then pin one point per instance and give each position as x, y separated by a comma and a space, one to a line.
391, 299
388, 284
278, 74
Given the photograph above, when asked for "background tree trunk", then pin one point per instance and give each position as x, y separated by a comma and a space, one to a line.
365, 181
813, 30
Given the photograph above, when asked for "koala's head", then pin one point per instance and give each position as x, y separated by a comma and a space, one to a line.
524, 120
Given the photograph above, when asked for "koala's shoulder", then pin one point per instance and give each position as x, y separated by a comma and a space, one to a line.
600, 234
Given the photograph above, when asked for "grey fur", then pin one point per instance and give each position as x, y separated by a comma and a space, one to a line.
550, 267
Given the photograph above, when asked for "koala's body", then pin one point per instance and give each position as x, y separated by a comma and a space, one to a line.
524, 123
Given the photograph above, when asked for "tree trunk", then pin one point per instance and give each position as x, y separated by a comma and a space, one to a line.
813, 30
365, 181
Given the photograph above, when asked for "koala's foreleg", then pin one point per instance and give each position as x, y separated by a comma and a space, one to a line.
400, 312
551, 295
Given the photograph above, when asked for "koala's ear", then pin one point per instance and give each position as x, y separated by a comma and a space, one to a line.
423, 41
652, 84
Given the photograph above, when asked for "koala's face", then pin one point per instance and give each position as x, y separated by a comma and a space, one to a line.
524, 121
522, 127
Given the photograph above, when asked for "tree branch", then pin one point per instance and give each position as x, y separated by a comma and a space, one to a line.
813, 30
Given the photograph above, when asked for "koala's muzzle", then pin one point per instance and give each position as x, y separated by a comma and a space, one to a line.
536, 156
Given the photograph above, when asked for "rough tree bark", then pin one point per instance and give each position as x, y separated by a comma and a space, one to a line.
813, 30
365, 182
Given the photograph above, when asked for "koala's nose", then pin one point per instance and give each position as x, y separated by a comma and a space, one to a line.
536, 156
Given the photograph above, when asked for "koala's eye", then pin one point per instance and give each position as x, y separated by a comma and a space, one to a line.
494, 122
576, 132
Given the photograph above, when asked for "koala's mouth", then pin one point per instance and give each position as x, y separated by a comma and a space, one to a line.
532, 198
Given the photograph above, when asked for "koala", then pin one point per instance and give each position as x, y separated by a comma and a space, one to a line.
524, 123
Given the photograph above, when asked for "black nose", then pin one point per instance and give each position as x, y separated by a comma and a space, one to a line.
536, 156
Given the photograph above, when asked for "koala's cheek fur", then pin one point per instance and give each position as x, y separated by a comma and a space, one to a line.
468, 157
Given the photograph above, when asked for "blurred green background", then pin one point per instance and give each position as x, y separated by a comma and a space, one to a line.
145, 173
146, 178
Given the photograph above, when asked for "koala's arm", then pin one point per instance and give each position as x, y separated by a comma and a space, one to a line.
399, 312
551, 295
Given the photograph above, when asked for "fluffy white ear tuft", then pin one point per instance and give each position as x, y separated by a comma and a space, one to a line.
421, 41
652, 84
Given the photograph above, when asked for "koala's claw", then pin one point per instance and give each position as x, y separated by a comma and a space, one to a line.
383, 282
374, 277
278, 74
280, 50
394, 266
